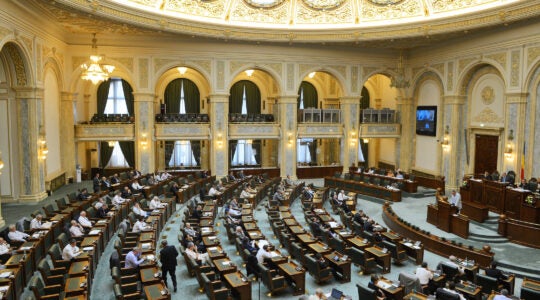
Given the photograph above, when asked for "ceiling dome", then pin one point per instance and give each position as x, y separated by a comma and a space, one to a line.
310, 20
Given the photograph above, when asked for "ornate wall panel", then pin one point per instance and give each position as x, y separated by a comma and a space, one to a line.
177, 131
320, 131
253, 131
380, 130
104, 132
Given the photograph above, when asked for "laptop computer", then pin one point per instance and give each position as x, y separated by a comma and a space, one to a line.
335, 295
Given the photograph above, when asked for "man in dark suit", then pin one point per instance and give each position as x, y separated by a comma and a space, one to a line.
168, 262
103, 211
97, 183
493, 272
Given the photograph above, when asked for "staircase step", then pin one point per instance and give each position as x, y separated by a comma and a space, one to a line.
519, 271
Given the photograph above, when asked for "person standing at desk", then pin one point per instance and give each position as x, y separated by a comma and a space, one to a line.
96, 183
168, 257
455, 200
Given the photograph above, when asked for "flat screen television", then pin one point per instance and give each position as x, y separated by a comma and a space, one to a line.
426, 120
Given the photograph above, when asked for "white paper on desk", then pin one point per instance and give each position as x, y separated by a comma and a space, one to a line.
383, 284
5, 274
36, 235
46, 225
25, 248
408, 244
274, 254
156, 211
226, 263
88, 248
333, 224
212, 238
94, 232
4, 288
102, 221
150, 257
206, 229
146, 245
253, 233
185, 186
212, 248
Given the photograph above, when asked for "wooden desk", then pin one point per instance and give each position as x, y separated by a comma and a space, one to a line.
148, 275
286, 215
296, 274
415, 296
210, 241
255, 235
239, 284
78, 268
7, 290
382, 259
14, 282
391, 290
290, 222
224, 266
358, 242
155, 292
531, 284
340, 265
75, 285
251, 226
306, 238
364, 188
24, 263
471, 292
416, 252
408, 186
297, 229
216, 252
319, 247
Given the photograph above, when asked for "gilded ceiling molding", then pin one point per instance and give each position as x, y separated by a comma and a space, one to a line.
277, 67
463, 63
405, 9
206, 9
28, 43
39, 60
342, 70
487, 115
205, 65
439, 68
307, 15
243, 12
238, 66
451, 5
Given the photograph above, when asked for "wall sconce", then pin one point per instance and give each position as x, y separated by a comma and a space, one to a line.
249, 72
111, 143
144, 141
1, 163
312, 74
42, 144
366, 141
290, 139
353, 138
445, 143
219, 140
182, 70
508, 151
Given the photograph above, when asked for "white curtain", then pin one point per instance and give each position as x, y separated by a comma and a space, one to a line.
244, 153
182, 153
303, 154
360, 153
301, 98
116, 102
117, 157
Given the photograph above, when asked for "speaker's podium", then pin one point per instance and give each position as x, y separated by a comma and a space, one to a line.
443, 215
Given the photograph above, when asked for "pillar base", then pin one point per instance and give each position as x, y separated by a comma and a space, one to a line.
32, 198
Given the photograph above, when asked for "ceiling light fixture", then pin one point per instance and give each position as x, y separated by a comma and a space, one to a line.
249, 72
182, 70
96, 71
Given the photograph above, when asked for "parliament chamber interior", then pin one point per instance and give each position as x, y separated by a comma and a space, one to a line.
269, 149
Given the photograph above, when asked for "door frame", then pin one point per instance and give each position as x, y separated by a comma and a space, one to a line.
494, 131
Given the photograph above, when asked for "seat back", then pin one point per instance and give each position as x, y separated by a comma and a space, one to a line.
409, 282
529, 294
442, 294
62, 239
55, 252
365, 293
37, 286
488, 283
265, 275
449, 271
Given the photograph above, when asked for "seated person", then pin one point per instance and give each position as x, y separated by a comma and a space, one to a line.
83, 195
288, 181
150, 179
99, 203
250, 189
84, 221
279, 196
71, 251
165, 175
214, 192
359, 217
308, 193
192, 252
175, 188
247, 244
399, 174
5, 250
373, 285
118, 199
36, 222
140, 225
231, 177
136, 187
133, 259
502, 296
137, 210
76, 229
105, 184
493, 272
126, 193
234, 204
155, 203
263, 254
190, 231
115, 179
452, 290
233, 220
15, 235
452, 262
197, 213
240, 232
245, 193
342, 196
103, 211
424, 275
323, 264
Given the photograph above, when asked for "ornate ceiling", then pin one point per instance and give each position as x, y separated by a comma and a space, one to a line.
293, 21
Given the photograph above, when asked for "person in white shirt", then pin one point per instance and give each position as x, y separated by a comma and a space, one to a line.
213, 192
76, 229
455, 200
71, 250
5, 250
245, 194
155, 203
117, 200
139, 226
263, 254
342, 196
189, 230
36, 222
16, 235
133, 258
502, 296
137, 188
192, 252
99, 203
84, 221
424, 275
138, 210
165, 175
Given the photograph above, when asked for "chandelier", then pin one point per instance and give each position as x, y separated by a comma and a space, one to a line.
399, 80
94, 71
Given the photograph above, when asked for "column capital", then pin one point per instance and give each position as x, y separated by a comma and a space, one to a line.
404, 101
349, 99
28, 93
144, 97
218, 98
518, 98
67, 96
454, 99
284, 99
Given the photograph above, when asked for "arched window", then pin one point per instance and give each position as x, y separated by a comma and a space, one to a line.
182, 96
362, 146
245, 99
308, 97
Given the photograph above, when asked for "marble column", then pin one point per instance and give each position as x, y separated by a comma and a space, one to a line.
455, 106
404, 151
350, 110
67, 134
29, 124
516, 115
144, 132
219, 128
287, 146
